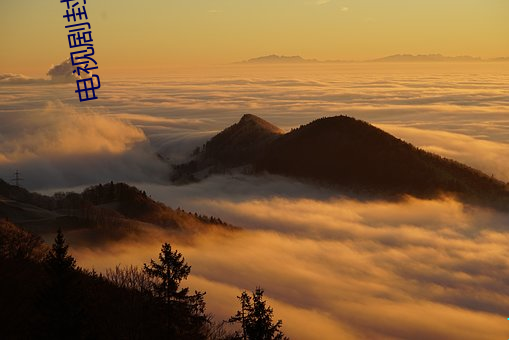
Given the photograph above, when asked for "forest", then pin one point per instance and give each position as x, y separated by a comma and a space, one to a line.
45, 294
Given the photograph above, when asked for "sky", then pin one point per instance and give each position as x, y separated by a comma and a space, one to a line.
133, 36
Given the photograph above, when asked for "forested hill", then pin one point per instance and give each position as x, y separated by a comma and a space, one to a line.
113, 207
350, 155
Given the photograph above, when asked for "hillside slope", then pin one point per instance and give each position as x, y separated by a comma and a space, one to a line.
355, 157
237, 145
116, 208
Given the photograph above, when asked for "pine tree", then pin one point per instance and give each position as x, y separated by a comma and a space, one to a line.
255, 318
58, 260
184, 313
61, 298
169, 273
241, 316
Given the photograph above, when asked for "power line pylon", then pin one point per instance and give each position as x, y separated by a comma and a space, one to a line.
17, 178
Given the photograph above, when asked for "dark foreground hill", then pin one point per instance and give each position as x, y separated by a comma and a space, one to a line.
44, 294
114, 208
348, 154
41, 298
49, 297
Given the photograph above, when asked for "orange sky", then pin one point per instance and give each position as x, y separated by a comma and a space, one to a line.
133, 35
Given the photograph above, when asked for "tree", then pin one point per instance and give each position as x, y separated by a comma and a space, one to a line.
16, 243
255, 318
58, 260
185, 316
61, 299
129, 277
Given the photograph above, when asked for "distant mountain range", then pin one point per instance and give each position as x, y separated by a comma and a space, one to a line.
276, 59
397, 58
343, 153
426, 58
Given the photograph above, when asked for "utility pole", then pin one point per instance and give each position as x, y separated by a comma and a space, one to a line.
17, 178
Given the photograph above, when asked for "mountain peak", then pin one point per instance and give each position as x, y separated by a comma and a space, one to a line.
241, 142
238, 145
255, 122
249, 117
345, 153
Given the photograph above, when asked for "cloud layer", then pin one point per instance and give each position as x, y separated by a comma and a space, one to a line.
62, 145
340, 268
62, 72
416, 103
420, 269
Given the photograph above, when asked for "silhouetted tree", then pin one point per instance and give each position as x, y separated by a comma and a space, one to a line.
255, 318
129, 277
49, 297
61, 302
185, 314
58, 260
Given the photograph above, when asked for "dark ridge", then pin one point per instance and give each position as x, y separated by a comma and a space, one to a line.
240, 142
356, 157
81, 303
20, 194
237, 145
117, 208
351, 153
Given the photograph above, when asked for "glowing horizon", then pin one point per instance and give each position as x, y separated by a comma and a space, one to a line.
168, 34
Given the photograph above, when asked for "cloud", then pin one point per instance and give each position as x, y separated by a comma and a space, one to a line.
62, 72
420, 269
17, 78
178, 113
69, 146
63, 130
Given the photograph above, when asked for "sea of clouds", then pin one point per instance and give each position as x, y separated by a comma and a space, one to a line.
333, 267
457, 111
342, 269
